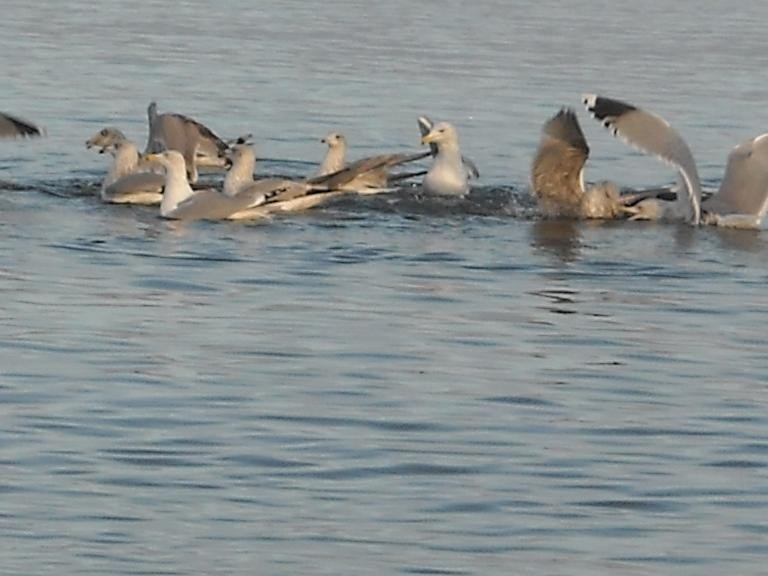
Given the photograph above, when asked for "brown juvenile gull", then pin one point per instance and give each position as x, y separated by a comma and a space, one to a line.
369, 175
196, 142
126, 182
13, 127
557, 174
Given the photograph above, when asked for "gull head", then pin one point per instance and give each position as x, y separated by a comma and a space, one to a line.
334, 140
105, 139
441, 133
239, 152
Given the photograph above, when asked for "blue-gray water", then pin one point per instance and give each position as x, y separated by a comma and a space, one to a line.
383, 386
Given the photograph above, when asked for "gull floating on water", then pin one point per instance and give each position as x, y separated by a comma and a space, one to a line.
365, 176
13, 127
180, 202
557, 174
740, 202
126, 182
196, 142
450, 172
281, 195
254, 200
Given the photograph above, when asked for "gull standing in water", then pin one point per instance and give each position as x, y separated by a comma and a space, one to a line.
196, 142
557, 174
13, 127
450, 172
740, 202
365, 176
126, 182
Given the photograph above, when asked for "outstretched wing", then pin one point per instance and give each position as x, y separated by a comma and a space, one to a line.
557, 172
653, 135
12, 127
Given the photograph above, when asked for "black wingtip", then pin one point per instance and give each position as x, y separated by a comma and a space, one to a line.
606, 108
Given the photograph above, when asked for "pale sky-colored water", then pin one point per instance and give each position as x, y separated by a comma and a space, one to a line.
384, 386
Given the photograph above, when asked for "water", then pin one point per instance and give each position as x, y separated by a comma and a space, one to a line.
385, 386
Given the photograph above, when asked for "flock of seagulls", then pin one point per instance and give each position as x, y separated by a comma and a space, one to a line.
557, 175
177, 146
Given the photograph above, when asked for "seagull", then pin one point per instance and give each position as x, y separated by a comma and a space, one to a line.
281, 195
450, 172
365, 176
180, 202
196, 142
653, 135
13, 127
335, 158
740, 202
557, 174
126, 182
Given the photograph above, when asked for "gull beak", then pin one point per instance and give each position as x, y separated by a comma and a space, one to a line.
154, 158
428, 138
323, 141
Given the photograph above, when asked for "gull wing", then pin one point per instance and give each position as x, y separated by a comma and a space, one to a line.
653, 135
744, 189
210, 204
137, 188
557, 172
13, 126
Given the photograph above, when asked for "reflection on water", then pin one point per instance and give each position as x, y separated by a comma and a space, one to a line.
557, 237
744, 240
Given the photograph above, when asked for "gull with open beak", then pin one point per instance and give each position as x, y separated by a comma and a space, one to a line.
127, 182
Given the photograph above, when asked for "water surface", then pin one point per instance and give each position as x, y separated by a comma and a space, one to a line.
384, 386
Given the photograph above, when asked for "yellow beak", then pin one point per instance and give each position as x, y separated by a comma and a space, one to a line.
428, 138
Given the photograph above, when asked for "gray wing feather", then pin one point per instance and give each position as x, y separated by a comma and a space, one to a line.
212, 205
651, 134
12, 127
471, 167
744, 189
140, 188
368, 172
186, 135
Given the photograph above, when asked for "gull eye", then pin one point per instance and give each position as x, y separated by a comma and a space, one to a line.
103, 132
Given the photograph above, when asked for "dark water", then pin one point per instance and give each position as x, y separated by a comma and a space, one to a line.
389, 385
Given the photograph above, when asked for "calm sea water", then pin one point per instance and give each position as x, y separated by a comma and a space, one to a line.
384, 386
